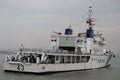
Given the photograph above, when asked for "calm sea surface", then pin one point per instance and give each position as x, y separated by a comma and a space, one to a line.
111, 73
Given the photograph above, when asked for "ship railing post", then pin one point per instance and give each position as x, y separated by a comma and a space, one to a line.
64, 59
75, 59
71, 58
55, 59
80, 58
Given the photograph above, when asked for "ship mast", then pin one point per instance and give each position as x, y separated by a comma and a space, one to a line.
90, 31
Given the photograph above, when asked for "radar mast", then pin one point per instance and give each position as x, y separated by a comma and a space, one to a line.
90, 21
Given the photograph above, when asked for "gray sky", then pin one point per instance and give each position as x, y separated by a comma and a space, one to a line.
32, 21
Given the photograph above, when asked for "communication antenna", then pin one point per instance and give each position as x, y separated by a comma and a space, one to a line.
90, 21
70, 22
21, 48
21, 45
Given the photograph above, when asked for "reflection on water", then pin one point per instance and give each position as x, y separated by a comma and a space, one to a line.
111, 73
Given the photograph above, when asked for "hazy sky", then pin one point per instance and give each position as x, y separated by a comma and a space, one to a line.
32, 21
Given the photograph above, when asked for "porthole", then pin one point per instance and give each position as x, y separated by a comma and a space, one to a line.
52, 40
81, 40
55, 40
78, 41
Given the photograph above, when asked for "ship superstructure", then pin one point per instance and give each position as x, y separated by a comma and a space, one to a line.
69, 52
84, 43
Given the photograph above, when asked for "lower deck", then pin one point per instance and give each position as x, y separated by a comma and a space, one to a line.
92, 63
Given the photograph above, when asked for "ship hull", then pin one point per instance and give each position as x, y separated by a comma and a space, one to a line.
94, 62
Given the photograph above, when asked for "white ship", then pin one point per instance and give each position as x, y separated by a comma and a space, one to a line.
70, 53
